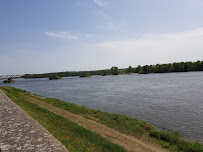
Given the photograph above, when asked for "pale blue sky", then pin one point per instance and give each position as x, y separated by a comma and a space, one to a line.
39, 36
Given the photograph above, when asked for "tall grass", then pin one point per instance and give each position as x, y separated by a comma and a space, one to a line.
175, 140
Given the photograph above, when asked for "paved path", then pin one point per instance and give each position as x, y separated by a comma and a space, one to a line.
20, 132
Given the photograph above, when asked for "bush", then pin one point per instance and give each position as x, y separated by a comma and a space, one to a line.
9, 80
54, 78
85, 75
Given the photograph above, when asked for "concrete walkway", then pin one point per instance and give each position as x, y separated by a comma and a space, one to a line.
20, 132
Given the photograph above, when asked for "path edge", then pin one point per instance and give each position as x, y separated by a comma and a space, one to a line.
32, 119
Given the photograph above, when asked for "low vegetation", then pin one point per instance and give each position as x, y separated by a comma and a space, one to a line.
85, 75
173, 139
54, 78
9, 80
122, 123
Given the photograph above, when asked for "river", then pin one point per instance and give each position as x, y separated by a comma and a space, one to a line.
173, 101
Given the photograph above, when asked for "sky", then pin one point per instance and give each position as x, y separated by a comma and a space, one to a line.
39, 36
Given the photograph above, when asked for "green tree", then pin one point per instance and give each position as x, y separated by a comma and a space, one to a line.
130, 69
145, 69
138, 69
114, 71
171, 68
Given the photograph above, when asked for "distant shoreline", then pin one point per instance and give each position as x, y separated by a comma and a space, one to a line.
158, 68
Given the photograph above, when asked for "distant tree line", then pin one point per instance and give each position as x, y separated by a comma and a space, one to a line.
69, 74
171, 67
158, 68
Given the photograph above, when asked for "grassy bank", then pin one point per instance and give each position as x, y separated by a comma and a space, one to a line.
72, 136
119, 122
173, 141
131, 126
122, 123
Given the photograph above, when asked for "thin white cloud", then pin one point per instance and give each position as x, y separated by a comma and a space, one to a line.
89, 35
62, 35
85, 35
161, 40
100, 2
108, 26
160, 48
102, 14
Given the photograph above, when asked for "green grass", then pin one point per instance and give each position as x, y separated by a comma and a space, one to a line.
122, 123
87, 117
72, 136
119, 122
172, 139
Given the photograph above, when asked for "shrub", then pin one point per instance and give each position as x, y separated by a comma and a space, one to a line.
9, 80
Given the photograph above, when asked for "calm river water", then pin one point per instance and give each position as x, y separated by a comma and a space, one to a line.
173, 101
